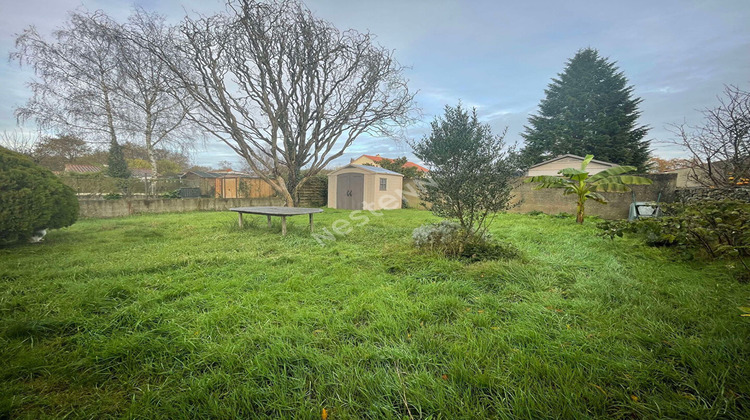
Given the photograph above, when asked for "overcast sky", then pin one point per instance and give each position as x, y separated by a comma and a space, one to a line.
494, 55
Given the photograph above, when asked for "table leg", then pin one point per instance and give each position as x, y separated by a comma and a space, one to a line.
283, 225
240, 219
269, 221
311, 223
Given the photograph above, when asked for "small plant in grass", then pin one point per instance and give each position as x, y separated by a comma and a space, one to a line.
455, 241
578, 182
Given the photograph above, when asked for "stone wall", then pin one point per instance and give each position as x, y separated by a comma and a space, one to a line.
738, 193
119, 208
552, 201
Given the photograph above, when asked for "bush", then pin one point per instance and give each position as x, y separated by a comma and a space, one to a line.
454, 241
714, 228
173, 194
31, 198
112, 196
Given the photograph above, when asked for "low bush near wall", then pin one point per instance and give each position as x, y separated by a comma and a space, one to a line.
703, 227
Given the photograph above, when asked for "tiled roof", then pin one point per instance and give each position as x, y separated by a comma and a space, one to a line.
82, 169
406, 165
601, 162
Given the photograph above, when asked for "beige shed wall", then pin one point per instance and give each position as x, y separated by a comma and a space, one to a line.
553, 168
374, 199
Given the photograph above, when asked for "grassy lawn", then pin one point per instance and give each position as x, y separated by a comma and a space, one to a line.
187, 316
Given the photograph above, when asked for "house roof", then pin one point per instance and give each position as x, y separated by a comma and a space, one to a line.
141, 173
374, 169
82, 169
378, 158
556, 158
220, 174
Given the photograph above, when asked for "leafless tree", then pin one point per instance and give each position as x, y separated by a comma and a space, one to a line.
284, 89
77, 76
93, 80
720, 148
154, 115
20, 141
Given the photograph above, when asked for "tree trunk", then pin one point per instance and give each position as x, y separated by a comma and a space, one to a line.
579, 212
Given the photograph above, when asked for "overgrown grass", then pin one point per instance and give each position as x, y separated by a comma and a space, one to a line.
188, 316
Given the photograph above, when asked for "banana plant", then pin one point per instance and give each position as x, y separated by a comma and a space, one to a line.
578, 182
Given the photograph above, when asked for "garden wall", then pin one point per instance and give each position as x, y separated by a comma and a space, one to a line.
737, 193
126, 207
552, 201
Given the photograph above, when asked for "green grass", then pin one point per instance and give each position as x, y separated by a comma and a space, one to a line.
187, 316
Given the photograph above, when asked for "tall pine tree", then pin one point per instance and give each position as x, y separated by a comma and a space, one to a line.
588, 109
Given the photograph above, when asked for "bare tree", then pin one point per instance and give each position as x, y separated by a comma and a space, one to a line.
153, 114
283, 89
77, 76
93, 80
720, 148
20, 141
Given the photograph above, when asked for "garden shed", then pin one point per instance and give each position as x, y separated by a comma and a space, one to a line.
360, 187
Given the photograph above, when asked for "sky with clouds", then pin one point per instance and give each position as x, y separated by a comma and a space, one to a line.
495, 56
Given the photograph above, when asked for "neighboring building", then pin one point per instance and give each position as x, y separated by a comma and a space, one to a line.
82, 169
554, 165
229, 184
375, 160
141, 173
360, 187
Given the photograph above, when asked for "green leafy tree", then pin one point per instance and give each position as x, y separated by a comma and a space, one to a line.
118, 167
588, 109
578, 182
470, 169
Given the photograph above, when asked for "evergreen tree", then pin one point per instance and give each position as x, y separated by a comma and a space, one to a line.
588, 109
118, 167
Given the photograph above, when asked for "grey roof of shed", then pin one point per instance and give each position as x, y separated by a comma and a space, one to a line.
375, 169
601, 162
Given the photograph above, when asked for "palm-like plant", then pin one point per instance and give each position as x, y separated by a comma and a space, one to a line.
578, 182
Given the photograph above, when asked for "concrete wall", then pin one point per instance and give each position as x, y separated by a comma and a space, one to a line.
552, 201
119, 208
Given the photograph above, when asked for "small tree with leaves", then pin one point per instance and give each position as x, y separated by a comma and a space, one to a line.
578, 182
470, 169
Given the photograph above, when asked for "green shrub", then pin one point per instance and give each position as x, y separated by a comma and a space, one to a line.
31, 198
112, 196
713, 228
454, 241
176, 193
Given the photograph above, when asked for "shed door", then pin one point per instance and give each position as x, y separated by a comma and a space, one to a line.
350, 191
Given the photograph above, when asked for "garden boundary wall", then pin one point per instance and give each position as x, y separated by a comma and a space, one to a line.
127, 207
552, 201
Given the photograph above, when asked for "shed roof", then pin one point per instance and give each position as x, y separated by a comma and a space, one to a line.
556, 158
374, 169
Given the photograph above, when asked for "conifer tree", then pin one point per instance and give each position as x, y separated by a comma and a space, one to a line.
118, 167
588, 109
